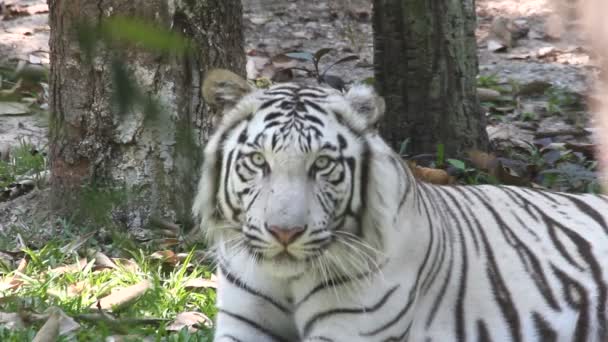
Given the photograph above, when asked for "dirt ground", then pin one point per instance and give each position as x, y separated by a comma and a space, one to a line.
551, 51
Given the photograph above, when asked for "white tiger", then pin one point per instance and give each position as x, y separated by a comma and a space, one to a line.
323, 234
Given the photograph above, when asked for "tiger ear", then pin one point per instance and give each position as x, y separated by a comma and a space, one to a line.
367, 104
223, 88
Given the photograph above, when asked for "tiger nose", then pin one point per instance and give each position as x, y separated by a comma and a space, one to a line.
286, 235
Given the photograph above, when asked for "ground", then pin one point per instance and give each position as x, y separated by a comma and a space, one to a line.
542, 78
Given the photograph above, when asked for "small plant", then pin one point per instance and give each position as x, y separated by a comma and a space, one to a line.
560, 98
315, 59
24, 160
487, 81
77, 279
529, 116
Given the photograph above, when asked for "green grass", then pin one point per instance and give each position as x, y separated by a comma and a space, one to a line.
25, 160
45, 286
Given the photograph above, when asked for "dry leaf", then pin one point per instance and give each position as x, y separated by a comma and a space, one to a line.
102, 261
13, 282
200, 283
168, 242
487, 95
482, 160
127, 264
77, 288
433, 176
191, 320
79, 266
13, 108
167, 256
122, 297
58, 324
500, 36
75, 245
11, 320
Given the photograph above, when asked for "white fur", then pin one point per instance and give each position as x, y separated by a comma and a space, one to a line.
478, 236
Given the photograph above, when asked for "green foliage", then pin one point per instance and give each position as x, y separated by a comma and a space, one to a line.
144, 34
25, 160
97, 203
487, 81
560, 98
45, 285
315, 59
529, 116
440, 161
114, 33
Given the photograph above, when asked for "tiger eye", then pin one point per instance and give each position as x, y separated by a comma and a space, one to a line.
322, 162
258, 159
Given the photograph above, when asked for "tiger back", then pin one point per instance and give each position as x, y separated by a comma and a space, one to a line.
321, 233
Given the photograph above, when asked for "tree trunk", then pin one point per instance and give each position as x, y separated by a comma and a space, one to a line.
127, 166
426, 67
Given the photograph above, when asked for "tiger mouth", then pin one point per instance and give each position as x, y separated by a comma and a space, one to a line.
284, 257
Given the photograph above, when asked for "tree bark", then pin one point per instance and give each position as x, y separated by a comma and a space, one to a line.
146, 168
426, 67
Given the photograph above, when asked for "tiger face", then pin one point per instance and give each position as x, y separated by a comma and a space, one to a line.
289, 173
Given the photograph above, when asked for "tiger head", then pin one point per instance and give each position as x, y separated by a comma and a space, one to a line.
285, 174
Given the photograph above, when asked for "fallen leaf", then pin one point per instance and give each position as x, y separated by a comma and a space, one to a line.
102, 261
487, 95
547, 51
13, 108
76, 244
13, 282
433, 176
11, 320
482, 160
166, 256
495, 45
200, 283
122, 297
168, 242
500, 37
534, 88
58, 324
77, 288
588, 150
127, 264
80, 265
190, 319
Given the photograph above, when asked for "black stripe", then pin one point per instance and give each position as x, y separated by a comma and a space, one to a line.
401, 337
233, 208
341, 311
231, 337
269, 103
543, 329
319, 338
577, 297
585, 249
502, 296
525, 201
240, 284
483, 335
398, 316
316, 106
253, 325
588, 210
460, 312
331, 283
273, 115
442, 292
529, 260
